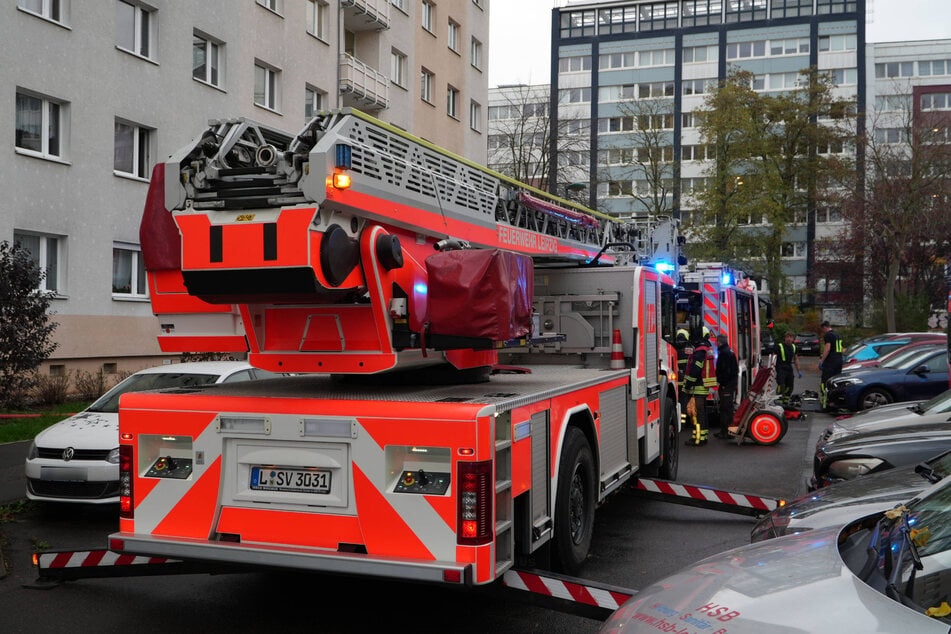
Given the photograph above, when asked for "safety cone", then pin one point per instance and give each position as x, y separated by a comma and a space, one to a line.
617, 352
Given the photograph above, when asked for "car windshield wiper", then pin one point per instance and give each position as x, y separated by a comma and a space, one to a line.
893, 588
924, 470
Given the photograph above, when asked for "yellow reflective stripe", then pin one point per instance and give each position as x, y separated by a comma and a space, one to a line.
782, 352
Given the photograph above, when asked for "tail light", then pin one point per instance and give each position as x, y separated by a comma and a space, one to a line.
474, 511
126, 508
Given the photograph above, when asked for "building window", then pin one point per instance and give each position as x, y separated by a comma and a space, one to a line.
398, 68
577, 24
44, 251
607, 61
891, 135
426, 86
399, 4
577, 63
659, 15
824, 7
894, 69
452, 102
790, 8
745, 10
206, 60
934, 67
575, 95
794, 250
835, 43
696, 54
317, 12
617, 20
843, 76
701, 12
128, 272
266, 86
429, 17
795, 46
132, 150
52, 10
41, 125
135, 29
743, 50
271, 5
452, 37
936, 101
313, 102
475, 116
475, 53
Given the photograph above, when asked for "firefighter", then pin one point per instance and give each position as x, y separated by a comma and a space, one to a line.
786, 358
830, 363
701, 376
728, 376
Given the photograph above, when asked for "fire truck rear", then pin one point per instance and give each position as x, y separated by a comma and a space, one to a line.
390, 276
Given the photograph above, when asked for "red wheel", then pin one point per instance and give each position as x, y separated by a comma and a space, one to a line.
766, 428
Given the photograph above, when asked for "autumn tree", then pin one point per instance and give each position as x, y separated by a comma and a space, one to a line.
896, 208
772, 166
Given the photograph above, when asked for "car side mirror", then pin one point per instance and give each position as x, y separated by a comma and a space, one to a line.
922, 369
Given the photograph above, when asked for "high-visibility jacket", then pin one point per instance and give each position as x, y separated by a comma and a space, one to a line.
701, 372
786, 356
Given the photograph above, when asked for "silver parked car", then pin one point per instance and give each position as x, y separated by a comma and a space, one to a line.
885, 572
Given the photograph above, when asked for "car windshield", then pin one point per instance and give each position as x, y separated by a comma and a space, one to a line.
940, 404
910, 361
108, 403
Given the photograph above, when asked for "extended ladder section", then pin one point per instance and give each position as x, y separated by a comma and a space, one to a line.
315, 252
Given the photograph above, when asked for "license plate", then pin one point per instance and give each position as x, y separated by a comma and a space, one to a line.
297, 480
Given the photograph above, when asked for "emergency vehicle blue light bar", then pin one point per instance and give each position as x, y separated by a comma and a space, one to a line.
344, 156
727, 279
664, 267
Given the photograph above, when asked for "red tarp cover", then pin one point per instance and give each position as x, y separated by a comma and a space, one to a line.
158, 234
480, 293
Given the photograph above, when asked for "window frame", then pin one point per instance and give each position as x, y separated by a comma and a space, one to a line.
46, 116
43, 258
151, 29
453, 31
274, 6
427, 83
47, 10
272, 89
314, 102
452, 101
475, 116
143, 140
475, 53
318, 17
427, 17
213, 49
136, 273
399, 64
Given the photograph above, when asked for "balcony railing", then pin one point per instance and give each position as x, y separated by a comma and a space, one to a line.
362, 85
366, 15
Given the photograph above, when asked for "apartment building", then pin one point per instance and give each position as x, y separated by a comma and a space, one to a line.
612, 60
98, 92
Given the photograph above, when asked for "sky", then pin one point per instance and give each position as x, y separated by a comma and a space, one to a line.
520, 33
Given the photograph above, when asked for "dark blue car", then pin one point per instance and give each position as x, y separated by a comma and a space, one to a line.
917, 377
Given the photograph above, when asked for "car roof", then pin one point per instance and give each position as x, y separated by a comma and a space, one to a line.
219, 368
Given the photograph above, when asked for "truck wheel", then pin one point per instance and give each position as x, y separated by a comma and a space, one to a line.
874, 397
575, 503
665, 466
766, 428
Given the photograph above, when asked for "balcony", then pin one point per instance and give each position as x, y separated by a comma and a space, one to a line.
362, 86
366, 15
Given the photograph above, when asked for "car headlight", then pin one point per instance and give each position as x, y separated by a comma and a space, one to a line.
846, 381
113, 457
853, 467
33, 453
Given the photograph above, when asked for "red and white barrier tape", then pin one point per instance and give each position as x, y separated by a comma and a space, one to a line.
563, 589
707, 494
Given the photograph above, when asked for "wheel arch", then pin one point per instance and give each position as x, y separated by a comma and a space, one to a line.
581, 417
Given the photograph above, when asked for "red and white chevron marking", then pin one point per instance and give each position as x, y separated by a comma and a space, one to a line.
707, 493
563, 589
91, 558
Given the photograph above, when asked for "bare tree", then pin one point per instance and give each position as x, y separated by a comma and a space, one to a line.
897, 209
641, 163
520, 137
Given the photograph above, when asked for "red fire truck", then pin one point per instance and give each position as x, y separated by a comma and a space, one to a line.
389, 276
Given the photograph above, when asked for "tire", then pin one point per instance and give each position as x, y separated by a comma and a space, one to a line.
666, 465
766, 428
874, 397
575, 503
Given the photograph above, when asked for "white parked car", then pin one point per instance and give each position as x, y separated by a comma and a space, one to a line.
77, 459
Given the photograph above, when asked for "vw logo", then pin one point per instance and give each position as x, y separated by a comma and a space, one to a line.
68, 454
